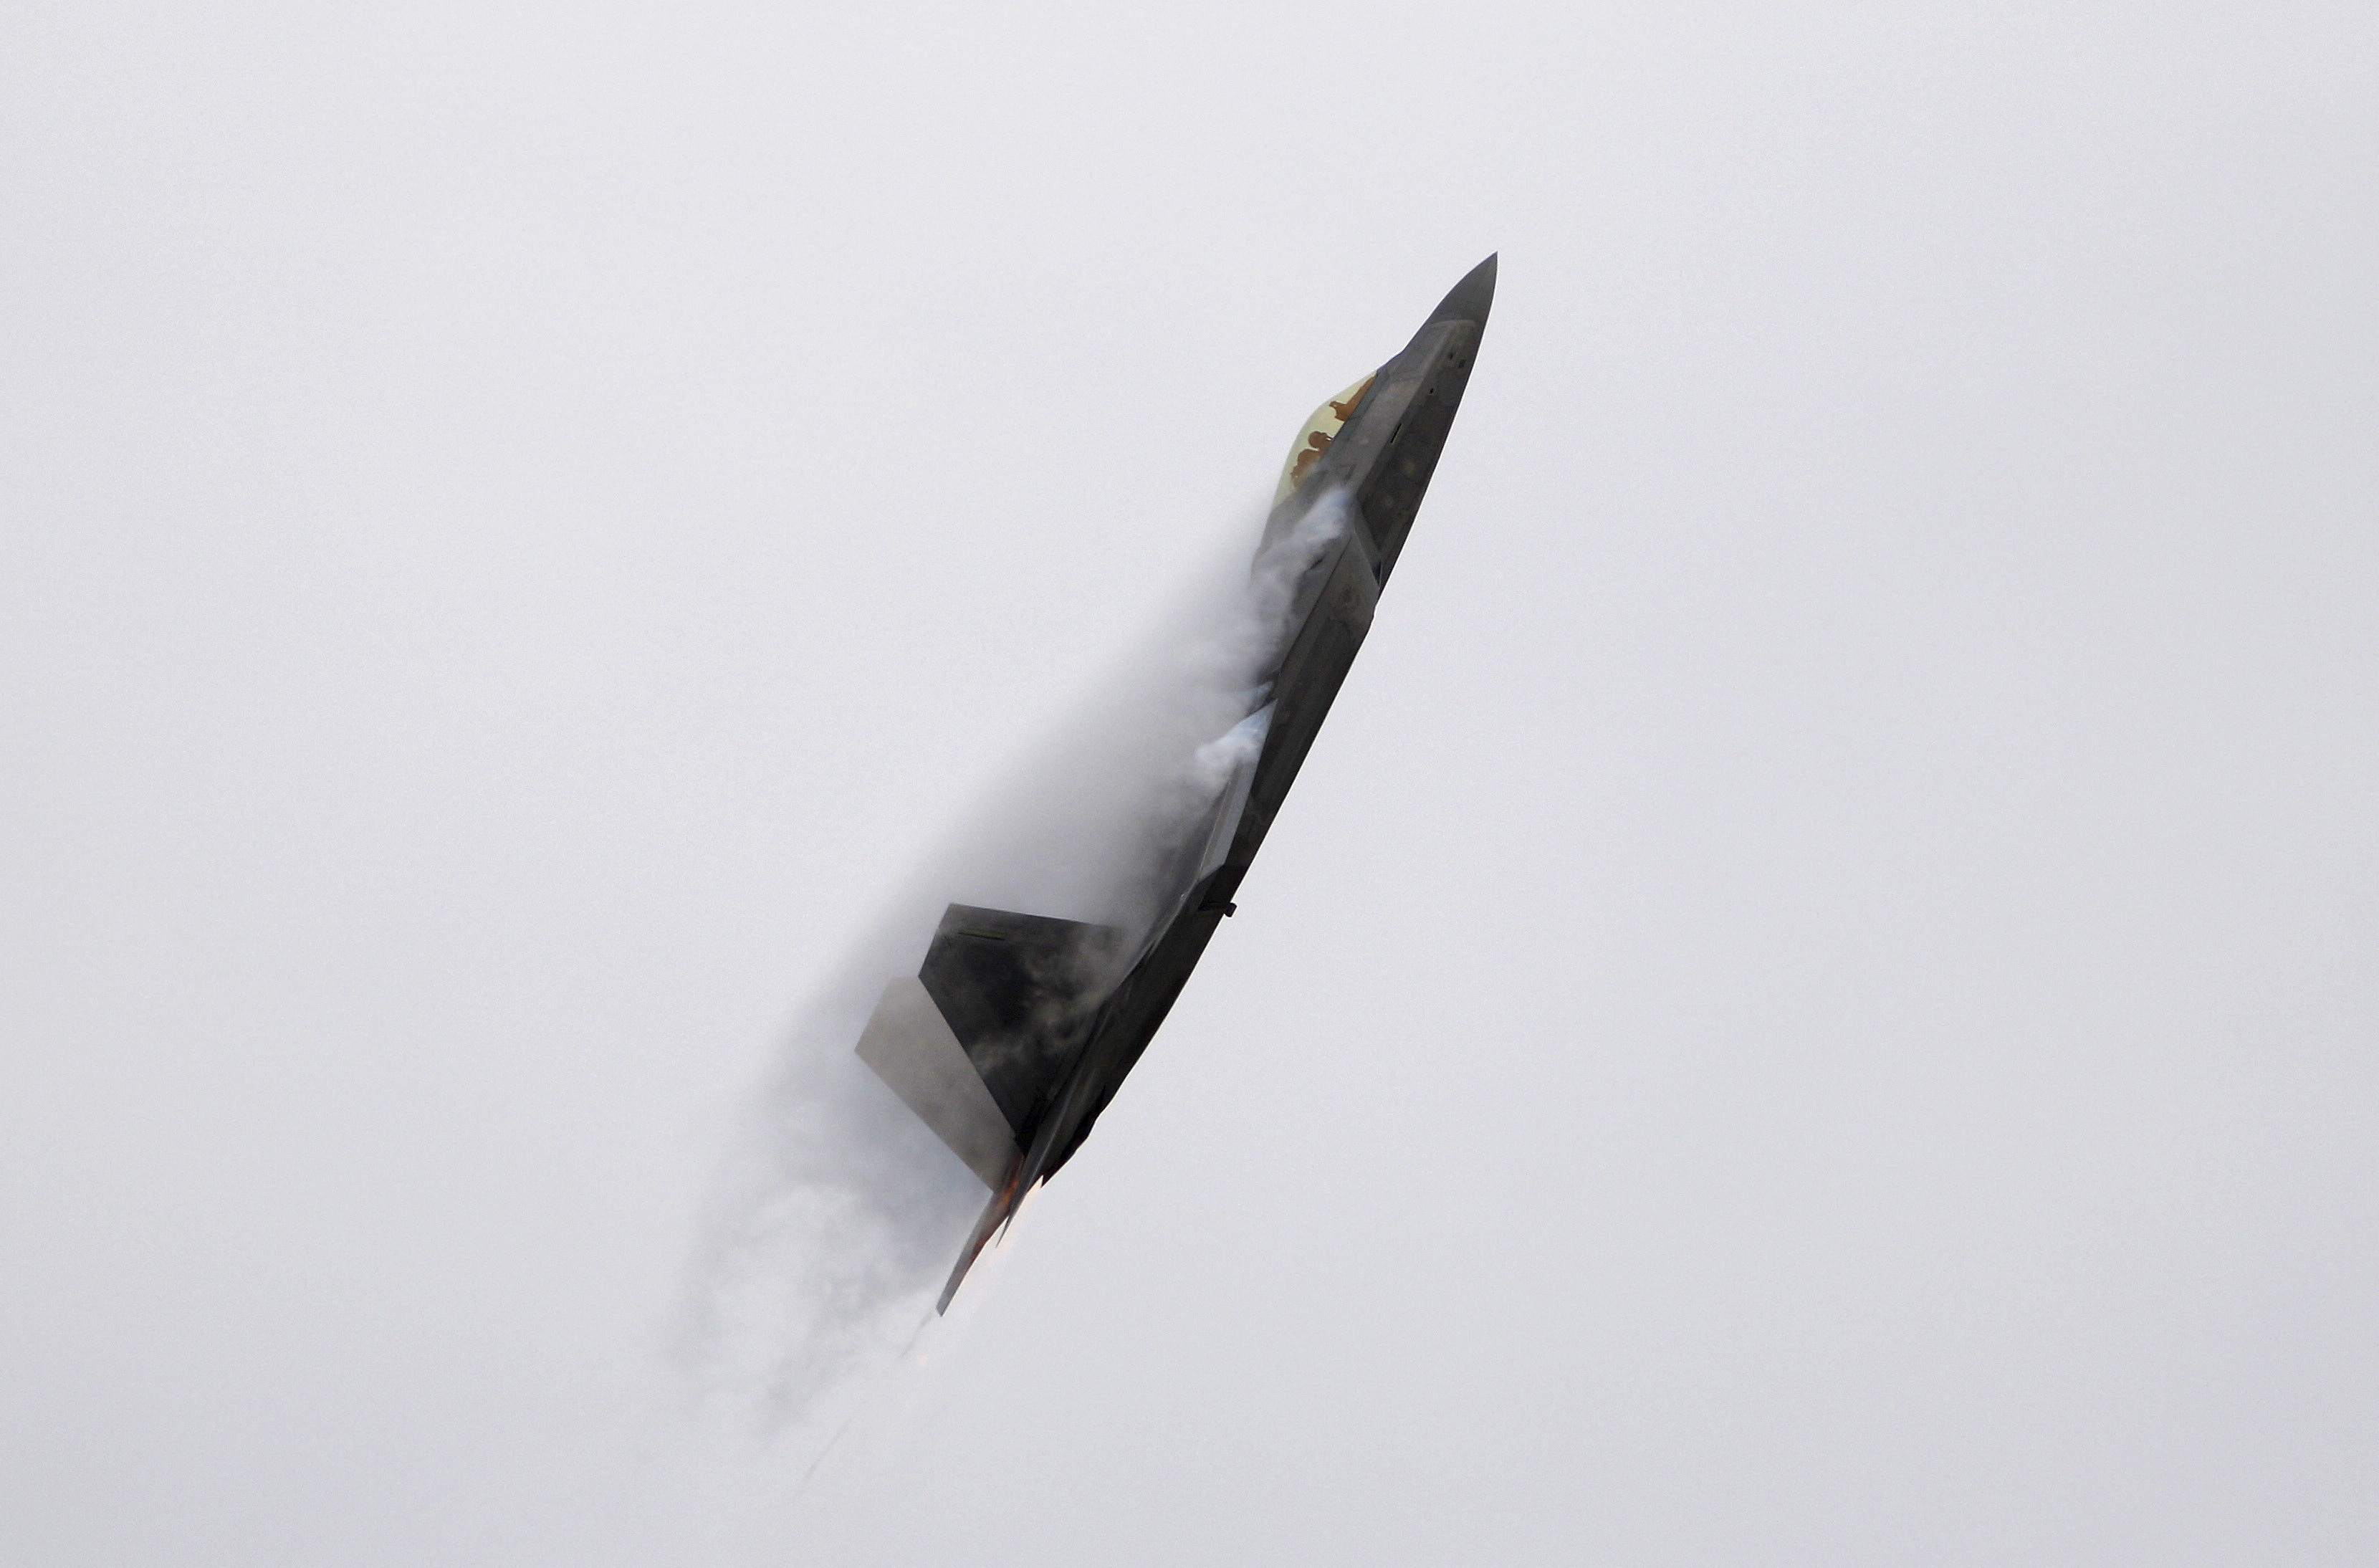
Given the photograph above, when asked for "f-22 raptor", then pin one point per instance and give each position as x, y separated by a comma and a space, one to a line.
1018, 1029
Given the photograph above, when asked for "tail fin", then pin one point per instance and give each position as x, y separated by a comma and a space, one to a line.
974, 1041
1014, 988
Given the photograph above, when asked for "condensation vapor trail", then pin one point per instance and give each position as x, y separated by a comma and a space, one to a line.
837, 1211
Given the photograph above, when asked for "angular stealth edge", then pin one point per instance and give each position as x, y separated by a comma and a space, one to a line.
1470, 298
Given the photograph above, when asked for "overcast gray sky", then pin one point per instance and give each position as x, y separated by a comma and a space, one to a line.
1814, 1004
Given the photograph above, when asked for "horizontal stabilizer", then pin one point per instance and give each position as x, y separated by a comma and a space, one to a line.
909, 1045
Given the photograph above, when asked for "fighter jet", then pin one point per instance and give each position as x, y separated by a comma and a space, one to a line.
1018, 1029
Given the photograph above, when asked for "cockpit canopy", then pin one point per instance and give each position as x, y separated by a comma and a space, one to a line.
1315, 438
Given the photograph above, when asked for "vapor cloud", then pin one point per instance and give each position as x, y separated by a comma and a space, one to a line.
838, 1214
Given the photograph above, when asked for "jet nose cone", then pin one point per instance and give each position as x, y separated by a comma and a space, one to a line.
1470, 298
